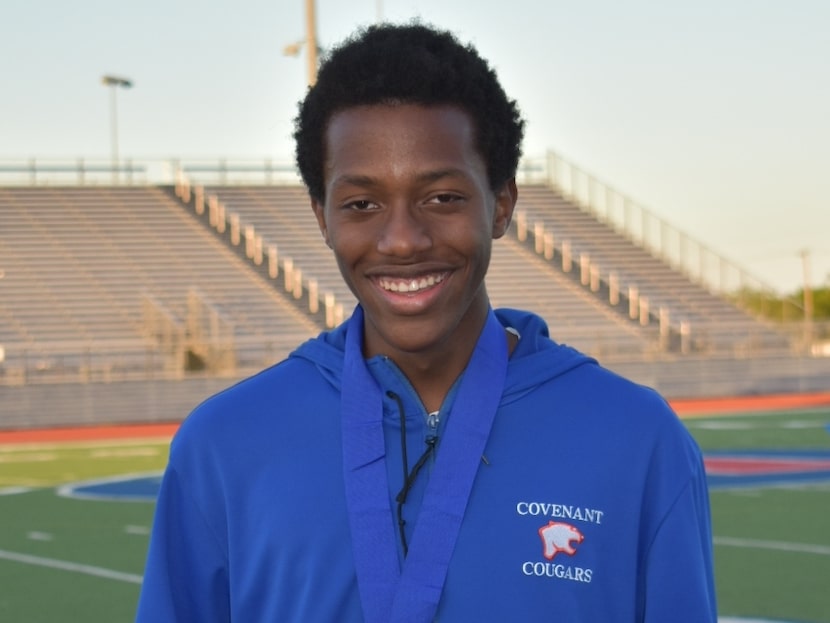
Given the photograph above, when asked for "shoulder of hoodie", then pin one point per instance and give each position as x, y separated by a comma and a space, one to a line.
226, 412
548, 370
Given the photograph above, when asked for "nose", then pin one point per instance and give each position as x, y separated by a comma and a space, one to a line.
404, 233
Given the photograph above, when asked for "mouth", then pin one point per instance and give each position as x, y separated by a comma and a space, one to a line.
411, 285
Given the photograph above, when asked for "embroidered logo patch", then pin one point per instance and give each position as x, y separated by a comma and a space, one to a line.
559, 537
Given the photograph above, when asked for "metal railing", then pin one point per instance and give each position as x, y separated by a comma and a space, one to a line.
697, 261
164, 171
98, 363
143, 171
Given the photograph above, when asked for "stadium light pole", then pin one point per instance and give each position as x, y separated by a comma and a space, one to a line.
807, 294
113, 82
310, 43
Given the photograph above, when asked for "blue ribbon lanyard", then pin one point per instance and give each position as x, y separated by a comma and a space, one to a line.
411, 594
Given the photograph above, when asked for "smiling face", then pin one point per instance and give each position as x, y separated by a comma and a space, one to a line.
410, 216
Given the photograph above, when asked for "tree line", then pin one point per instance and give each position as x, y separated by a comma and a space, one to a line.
788, 307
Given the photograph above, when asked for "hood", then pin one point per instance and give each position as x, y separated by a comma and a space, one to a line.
535, 360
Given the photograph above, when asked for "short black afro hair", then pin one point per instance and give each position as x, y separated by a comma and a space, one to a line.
408, 64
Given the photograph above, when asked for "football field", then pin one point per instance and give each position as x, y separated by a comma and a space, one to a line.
76, 516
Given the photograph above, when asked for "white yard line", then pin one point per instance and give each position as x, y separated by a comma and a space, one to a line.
14, 490
28, 457
72, 567
783, 546
137, 530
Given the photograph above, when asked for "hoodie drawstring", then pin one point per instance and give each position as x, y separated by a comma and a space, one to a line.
409, 476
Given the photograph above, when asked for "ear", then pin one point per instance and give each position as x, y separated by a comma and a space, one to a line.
320, 212
506, 198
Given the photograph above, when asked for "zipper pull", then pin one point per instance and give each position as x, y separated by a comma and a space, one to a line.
432, 420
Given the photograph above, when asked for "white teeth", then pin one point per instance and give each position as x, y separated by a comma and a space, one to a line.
413, 285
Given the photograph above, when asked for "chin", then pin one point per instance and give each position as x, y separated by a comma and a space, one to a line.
408, 334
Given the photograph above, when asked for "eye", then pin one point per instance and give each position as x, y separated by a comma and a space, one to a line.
361, 205
445, 198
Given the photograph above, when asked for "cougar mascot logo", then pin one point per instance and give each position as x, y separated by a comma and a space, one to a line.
559, 537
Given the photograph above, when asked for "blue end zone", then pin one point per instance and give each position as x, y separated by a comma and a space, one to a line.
128, 488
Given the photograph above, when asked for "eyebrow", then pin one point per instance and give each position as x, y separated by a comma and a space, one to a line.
439, 174
354, 180
366, 181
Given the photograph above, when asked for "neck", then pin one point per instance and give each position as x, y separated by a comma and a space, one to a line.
433, 374
433, 378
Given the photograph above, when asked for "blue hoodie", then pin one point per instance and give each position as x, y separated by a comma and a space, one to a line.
590, 504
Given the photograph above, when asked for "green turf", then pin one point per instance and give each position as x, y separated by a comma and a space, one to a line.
34, 594
773, 583
799, 430
48, 464
752, 579
109, 536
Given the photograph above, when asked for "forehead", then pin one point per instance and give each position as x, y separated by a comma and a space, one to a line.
389, 139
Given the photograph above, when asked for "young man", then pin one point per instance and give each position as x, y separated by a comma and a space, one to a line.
431, 459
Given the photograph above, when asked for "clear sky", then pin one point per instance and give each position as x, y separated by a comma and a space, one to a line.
714, 114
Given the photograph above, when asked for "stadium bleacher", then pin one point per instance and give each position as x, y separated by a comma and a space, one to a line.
110, 293
79, 261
